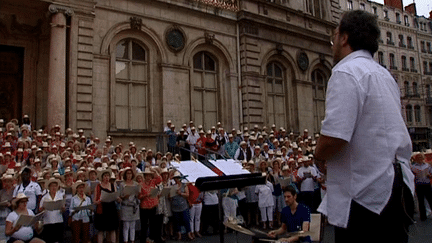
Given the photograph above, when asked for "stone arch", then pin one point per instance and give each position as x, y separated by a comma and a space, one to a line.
143, 32
284, 58
216, 48
323, 65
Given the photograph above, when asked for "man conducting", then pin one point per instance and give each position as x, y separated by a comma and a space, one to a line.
365, 146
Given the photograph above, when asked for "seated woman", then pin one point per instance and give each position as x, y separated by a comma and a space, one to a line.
18, 233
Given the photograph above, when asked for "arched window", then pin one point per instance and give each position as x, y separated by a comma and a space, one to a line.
205, 89
409, 113
417, 113
319, 85
276, 94
131, 86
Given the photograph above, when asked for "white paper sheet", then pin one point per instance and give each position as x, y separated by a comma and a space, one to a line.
131, 190
27, 220
109, 197
284, 182
53, 205
193, 170
173, 191
229, 167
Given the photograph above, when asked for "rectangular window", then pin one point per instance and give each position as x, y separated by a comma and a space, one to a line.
410, 42
381, 58
389, 38
406, 20
374, 9
404, 63
386, 15
409, 113
350, 5
412, 65
401, 41
417, 113
205, 90
131, 87
392, 61
398, 19
362, 6
422, 46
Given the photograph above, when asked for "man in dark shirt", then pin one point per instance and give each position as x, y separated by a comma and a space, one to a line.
294, 217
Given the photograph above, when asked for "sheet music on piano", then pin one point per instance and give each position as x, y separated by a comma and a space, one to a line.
193, 170
229, 167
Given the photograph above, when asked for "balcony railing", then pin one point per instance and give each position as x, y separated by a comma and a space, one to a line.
224, 4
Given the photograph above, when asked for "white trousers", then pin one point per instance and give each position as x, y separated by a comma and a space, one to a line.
128, 230
195, 217
266, 213
229, 206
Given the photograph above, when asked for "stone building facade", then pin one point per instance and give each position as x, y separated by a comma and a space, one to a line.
123, 68
403, 51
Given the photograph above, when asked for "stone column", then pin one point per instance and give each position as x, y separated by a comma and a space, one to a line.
57, 67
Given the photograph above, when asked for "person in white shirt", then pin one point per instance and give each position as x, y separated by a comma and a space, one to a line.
265, 203
31, 189
53, 219
210, 212
18, 233
80, 218
423, 174
308, 176
168, 126
364, 141
192, 139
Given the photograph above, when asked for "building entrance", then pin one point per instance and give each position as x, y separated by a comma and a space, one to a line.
11, 82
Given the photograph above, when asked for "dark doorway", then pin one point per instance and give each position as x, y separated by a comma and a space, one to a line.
11, 82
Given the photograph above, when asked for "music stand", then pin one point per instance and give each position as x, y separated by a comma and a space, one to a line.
223, 182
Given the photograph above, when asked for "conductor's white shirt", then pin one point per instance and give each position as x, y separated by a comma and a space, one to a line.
363, 107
